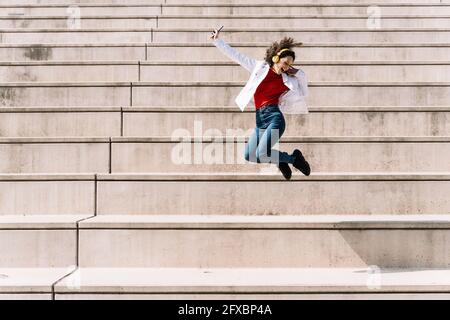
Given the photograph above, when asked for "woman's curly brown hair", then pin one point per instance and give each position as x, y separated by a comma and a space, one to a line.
285, 43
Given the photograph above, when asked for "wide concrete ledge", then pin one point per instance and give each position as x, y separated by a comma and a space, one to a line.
231, 176
223, 16
310, 84
330, 121
209, 44
342, 120
266, 44
255, 280
264, 7
321, 93
217, 84
216, 93
230, 30
206, 51
215, 63
245, 138
30, 280
230, 63
339, 222
264, 247
175, 29
327, 193
350, 3
195, 154
194, 3
109, 3
243, 296
168, 139
259, 34
207, 109
40, 222
234, 34
312, 109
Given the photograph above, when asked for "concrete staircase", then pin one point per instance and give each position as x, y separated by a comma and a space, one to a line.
93, 204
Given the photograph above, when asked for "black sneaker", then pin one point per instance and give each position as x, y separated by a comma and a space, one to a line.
285, 170
300, 163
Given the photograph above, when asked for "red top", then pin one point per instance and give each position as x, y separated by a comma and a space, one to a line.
269, 90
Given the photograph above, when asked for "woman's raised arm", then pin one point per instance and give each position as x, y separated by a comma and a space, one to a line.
245, 61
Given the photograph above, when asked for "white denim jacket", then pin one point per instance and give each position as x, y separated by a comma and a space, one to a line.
292, 101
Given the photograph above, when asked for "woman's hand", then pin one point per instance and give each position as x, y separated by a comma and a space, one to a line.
292, 71
215, 33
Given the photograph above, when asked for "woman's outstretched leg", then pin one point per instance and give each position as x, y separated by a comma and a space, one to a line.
251, 146
265, 152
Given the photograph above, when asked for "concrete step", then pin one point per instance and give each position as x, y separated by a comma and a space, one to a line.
101, 35
254, 283
66, 94
265, 242
308, 51
321, 121
309, 8
82, 2
70, 71
295, 21
324, 154
86, 9
88, 2
35, 194
203, 194
240, 296
60, 122
101, 21
47, 241
226, 7
217, 121
55, 155
320, 93
316, 71
73, 52
218, 71
357, 35
219, 154
214, 93
231, 21
207, 52
30, 283
240, 194
295, 2
299, 21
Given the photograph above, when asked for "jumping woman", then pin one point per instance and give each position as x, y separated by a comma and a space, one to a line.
276, 86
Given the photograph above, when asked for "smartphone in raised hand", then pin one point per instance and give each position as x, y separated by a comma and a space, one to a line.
215, 33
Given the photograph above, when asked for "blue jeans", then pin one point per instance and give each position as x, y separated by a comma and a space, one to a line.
270, 126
